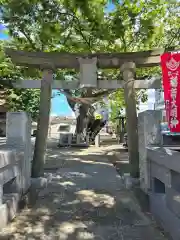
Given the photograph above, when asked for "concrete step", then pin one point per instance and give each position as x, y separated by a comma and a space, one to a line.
9, 208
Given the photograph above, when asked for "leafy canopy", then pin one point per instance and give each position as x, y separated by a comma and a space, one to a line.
87, 26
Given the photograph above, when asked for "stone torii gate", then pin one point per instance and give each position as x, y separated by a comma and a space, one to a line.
88, 64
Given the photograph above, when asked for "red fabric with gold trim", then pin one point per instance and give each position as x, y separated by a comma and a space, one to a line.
170, 63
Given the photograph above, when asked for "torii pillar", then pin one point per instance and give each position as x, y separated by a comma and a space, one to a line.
128, 72
43, 122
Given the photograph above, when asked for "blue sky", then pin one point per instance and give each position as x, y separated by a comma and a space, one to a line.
3, 34
110, 7
59, 104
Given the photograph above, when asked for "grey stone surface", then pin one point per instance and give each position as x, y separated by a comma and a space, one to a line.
84, 200
165, 157
149, 134
160, 172
164, 165
10, 181
11, 200
1, 194
16, 128
4, 216
97, 140
78, 138
8, 156
9, 173
15, 164
88, 72
41, 182
87, 139
173, 201
10, 166
128, 181
8, 209
166, 217
18, 132
65, 139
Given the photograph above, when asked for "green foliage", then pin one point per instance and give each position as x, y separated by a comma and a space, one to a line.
117, 103
84, 26
17, 99
24, 100
140, 24
7, 69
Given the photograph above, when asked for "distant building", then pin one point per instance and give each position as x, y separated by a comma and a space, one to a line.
59, 124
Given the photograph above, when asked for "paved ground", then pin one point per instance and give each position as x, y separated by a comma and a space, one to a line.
84, 201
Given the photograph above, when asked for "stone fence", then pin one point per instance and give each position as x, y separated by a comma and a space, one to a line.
15, 164
159, 173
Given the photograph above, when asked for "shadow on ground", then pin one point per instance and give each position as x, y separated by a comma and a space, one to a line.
84, 201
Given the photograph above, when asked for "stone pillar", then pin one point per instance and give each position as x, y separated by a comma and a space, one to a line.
87, 139
128, 72
97, 140
18, 133
122, 130
70, 136
43, 123
1, 195
78, 138
149, 131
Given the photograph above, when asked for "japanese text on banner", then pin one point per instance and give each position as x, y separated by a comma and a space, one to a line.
170, 63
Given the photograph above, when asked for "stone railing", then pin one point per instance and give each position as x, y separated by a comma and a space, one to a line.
164, 191
159, 172
11, 183
15, 165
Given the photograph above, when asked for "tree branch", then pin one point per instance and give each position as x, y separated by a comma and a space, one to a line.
70, 102
33, 45
79, 29
67, 37
101, 94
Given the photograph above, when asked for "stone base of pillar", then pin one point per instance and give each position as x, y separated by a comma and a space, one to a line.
97, 140
87, 139
78, 139
129, 182
37, 185
121, 137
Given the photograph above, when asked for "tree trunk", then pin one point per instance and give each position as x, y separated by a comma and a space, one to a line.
81, 124
85, 120
43, 124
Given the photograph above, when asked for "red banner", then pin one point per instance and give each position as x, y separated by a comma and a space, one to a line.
170, 63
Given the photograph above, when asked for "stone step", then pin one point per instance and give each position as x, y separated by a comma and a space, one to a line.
9, 208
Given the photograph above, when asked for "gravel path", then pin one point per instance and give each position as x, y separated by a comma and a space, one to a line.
84, 201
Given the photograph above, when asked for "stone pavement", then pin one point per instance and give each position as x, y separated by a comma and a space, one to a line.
84, 201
